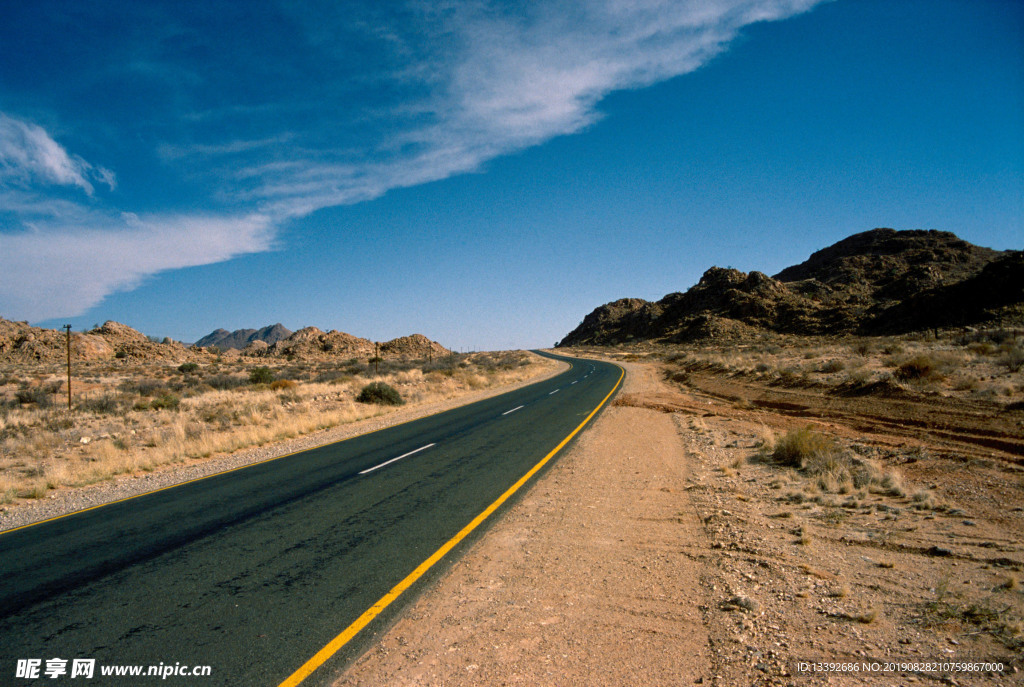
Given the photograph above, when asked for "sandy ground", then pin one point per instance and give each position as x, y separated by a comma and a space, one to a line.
658, 550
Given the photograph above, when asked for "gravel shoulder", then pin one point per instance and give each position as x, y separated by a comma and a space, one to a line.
591, 578
69, 500
660, 550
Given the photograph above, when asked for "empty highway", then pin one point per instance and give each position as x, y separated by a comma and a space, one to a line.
279, 573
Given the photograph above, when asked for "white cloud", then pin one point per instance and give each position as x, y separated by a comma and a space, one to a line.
475, 80
28, 155
500, 82
66, 257
61, 271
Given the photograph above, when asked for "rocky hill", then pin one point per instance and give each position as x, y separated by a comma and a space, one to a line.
240, 338
415, 346
22, 343
877, 282
312, 343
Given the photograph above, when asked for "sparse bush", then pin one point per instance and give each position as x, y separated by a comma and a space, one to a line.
830, 468
225, 382
107, 404
188, 368
982, 348
800, 446
381, 394
918, 367
1013, 359
863, 348
165, 400
143, 387
834, 365
261, 375
40, 395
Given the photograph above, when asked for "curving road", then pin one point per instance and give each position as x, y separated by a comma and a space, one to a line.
282, 572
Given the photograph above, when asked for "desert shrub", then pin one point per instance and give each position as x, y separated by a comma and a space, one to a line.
295, 374
797, 447
679, 376
332, 376
442, 367
863, 348
225, 382
918, 367
834, 365
261, 375
107, 404
188, 368
982, 348
55, 421
789, 377
823, 460
381, 394
1013, 359
42, 396
165, 401
142, 387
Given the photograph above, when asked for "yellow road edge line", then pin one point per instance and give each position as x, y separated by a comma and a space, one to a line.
259, 462
335, 645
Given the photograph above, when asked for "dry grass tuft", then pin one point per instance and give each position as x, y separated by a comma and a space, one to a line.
829, 467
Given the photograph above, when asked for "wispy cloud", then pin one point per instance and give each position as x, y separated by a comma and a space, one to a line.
430, 90
29, 156
60, 257
59, 270
499, 79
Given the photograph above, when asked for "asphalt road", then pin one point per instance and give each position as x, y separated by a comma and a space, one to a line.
253, 572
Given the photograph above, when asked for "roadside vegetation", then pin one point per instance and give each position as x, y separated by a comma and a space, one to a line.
976, 365
128, 419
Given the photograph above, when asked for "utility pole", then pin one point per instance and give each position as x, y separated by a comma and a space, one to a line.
68, 327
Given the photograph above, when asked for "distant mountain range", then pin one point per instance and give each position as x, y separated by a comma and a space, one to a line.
240, 338
876, 282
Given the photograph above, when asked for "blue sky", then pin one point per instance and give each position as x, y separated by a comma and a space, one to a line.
484, 173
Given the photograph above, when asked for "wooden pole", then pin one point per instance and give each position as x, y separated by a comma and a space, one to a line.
68, 327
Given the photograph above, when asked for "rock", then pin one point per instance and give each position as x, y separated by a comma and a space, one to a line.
741, 602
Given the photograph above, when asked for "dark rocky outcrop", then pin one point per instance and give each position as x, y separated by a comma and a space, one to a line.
877, 282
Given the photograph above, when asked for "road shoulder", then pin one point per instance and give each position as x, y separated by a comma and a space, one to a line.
591, 578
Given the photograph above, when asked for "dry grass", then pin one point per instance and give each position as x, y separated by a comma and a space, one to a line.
829, 468
129, 420
986, 365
